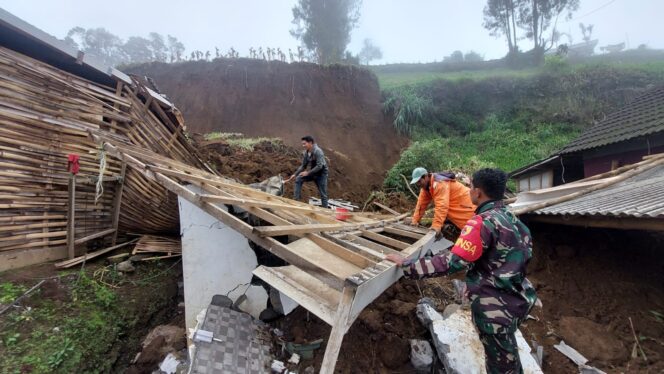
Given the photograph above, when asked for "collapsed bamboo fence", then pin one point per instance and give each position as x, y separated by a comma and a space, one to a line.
46, 114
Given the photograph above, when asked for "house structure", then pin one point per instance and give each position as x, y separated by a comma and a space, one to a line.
624, 137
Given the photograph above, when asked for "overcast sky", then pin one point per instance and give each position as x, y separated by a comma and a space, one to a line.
406, 30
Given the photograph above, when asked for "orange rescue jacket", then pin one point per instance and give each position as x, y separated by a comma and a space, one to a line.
451, 200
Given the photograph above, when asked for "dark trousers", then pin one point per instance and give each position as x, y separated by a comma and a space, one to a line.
321, 182
502, 353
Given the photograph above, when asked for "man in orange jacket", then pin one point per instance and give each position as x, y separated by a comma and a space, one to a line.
450, 198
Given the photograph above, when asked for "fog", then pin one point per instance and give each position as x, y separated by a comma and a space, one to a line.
406, 31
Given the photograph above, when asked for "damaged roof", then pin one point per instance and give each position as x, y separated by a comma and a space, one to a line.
643, 116
639, 197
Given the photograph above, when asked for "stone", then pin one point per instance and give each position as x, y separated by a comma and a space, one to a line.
421, 355
125, 266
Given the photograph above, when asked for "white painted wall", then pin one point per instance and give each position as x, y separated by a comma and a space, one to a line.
215, 260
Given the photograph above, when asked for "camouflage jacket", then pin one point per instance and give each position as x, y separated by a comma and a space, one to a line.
495, 247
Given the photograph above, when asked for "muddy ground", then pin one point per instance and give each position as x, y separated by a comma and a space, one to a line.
590, 281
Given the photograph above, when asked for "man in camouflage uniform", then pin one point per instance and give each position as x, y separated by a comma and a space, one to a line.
495, 247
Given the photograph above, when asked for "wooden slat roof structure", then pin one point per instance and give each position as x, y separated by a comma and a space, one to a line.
336, 268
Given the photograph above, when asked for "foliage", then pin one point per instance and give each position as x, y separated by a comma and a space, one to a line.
113, 51
473, 56
555, 64
324, 27
9, 292
237, 140
409, 107
369, 52
502, 144
84, 329
535, 17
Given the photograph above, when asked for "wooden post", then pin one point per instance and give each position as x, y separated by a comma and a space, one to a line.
117, 203
71, 209
339, 328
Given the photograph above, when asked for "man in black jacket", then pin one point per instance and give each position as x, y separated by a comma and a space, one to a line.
312, 156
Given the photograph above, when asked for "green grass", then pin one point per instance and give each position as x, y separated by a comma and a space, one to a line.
505, 145
83, 329
390, 80
237, 140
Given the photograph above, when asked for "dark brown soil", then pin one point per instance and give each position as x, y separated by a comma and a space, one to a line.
340, 106
268, 159
591, 282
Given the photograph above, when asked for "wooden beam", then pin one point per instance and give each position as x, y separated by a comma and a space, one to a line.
117, 203
94, 236
250, 202
91, 255
380, 249
309, 292
298, 229
71, 216
351, 256
384, 239
372, 285
624, 223
404, 233
339, 327
386, 208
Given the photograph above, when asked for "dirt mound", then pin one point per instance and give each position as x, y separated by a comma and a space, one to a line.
270, 158
591, 282
340, 106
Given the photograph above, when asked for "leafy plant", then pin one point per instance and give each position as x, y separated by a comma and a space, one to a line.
58, 357
9, 292
409, 107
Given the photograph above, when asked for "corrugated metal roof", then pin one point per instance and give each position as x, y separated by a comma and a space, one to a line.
641, 196
644, 116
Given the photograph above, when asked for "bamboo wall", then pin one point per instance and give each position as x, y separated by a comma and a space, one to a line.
45, 114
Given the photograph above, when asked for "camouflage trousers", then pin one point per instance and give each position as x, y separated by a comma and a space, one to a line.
502, 354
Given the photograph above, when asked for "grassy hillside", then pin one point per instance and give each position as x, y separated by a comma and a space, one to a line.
464, 120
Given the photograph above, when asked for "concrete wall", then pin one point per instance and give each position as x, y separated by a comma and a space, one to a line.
215, 260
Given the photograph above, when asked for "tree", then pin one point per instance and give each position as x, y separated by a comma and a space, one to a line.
537, 16
455, 58
500, 18
137, 50
98, 42
324, 26
175, 49
369, 52
473, 56
587, 32
158, 45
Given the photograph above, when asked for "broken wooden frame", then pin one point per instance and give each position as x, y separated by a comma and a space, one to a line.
336, 268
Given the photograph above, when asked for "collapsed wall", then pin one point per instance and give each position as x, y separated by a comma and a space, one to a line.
339, 105
47, 114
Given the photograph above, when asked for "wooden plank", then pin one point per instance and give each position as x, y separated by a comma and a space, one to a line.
370, 288
255, 203
386, 208
312, 294
91, 255
416, 229
71, 216
404, 233
339, 328
298, 229
384, 239
117, 203
279, 249
379, 248
337, 266
94, 236
349, 253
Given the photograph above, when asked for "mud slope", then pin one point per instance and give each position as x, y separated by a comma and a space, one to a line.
338, 105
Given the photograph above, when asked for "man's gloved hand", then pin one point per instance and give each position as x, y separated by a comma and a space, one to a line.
439, 233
